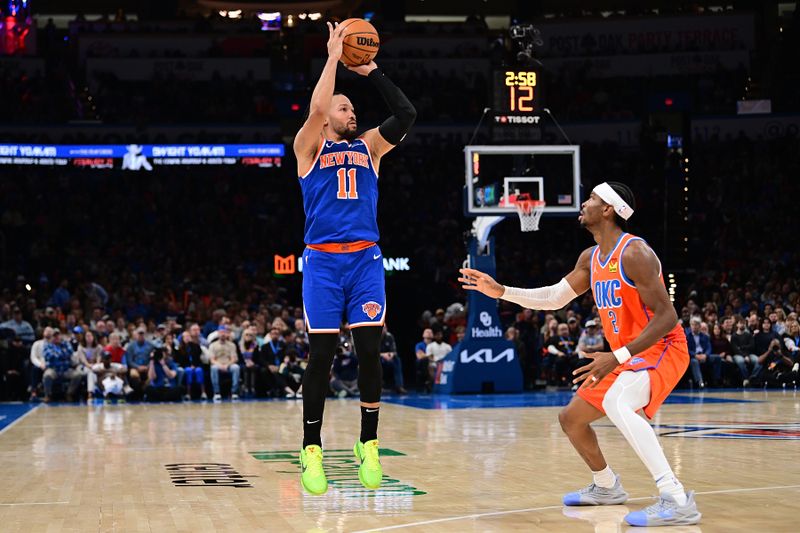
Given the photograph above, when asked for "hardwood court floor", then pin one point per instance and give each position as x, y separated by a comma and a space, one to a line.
459, 468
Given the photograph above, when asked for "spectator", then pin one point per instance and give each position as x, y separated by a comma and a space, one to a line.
423, 361
214, 323
116, 351
292, 371
721, 344
436, 351
296, 344
190, 358
700, 354
275, 345
743, 348
767, 347
550, 329
778, 319
562, 356
300, 331
344, 381
574, 327
269, 367
60, 297
38, 363
12, 364
390, 360
137, 356
108, 377
248, 346
591, 340
58, 359
88, 354
512, 335
791, 340
164, 376
224, 359
528, 327
22, 328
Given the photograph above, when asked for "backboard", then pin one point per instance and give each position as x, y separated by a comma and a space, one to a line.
546, 172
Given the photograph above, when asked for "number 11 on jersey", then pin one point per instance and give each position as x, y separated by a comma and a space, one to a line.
345, 192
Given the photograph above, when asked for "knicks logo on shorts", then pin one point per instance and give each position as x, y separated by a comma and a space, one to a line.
371, 309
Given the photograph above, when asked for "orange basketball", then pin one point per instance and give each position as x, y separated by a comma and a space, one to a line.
361, 42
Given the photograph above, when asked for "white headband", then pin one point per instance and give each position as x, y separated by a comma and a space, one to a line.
611, 197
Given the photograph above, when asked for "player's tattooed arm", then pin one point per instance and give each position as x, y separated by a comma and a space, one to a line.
642, 266
307, 140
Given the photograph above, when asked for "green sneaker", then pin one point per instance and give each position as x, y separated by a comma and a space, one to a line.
370, 472
313, 477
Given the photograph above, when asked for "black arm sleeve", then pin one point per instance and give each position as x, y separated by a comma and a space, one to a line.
403, 116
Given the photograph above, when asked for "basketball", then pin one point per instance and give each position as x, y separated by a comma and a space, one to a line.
361, 42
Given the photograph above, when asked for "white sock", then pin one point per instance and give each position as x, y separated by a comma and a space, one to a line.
629, 393
669, 484
605, 478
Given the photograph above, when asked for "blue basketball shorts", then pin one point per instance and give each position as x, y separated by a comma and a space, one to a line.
343, 286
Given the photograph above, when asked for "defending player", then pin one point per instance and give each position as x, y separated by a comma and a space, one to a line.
343, 273
649, 353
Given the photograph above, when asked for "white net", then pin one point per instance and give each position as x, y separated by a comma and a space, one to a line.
529, 211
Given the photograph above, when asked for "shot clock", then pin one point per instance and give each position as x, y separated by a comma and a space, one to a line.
516, 92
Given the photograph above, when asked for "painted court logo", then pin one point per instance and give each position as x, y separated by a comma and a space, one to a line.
733, 430
372, 309
206, 475
341, 469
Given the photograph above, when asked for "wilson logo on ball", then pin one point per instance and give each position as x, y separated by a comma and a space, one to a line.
371, 309
366, 41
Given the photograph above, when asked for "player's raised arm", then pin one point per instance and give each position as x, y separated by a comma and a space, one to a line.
642, 266
307, 139
550, 297
394, 129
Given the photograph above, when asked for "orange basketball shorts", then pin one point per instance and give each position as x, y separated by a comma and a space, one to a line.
665, 363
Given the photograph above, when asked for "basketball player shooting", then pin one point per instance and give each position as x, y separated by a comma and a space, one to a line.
343, 274
648, 359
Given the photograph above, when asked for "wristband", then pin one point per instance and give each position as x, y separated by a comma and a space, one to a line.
622, 354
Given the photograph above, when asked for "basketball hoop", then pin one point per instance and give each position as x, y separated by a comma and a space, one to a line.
529, 211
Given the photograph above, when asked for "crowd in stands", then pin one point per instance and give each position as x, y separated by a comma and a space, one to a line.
173, 248
261, 354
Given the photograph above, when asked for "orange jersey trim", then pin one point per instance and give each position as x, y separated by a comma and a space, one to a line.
341, 247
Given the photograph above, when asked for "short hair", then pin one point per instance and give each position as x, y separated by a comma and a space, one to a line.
308, 107
626, 194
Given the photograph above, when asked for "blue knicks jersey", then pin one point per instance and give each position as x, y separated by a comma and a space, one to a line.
340, 194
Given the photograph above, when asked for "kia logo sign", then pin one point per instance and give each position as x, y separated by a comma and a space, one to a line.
486, 355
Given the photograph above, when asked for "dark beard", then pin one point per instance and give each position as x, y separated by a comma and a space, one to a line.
347, 134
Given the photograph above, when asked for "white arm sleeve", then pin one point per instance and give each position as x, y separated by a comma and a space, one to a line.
548, 298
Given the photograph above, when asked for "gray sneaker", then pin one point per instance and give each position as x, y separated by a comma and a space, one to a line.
594, 495
667, 512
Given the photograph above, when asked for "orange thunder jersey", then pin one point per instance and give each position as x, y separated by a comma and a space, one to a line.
622, 311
